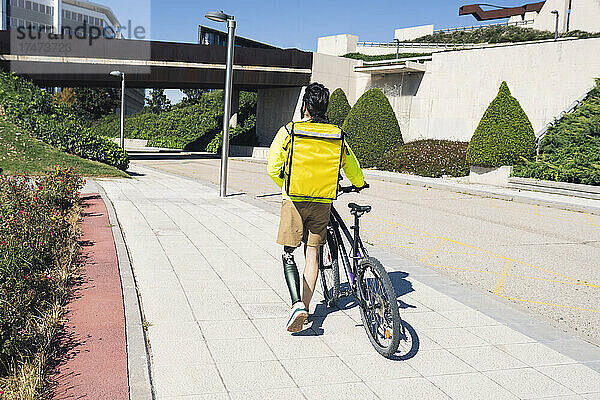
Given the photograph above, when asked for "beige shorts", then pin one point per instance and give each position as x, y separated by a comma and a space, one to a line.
303, 221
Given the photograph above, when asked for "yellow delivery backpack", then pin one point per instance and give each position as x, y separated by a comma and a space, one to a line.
313, 160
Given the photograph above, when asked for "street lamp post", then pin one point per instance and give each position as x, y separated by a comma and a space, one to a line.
231, 23
555, 12
122, 75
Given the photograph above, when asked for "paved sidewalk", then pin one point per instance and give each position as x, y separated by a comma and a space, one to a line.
213, 291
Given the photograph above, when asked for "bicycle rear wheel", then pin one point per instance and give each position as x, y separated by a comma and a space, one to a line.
379, 310
329, 271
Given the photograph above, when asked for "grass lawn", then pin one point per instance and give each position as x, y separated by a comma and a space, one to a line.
20, 153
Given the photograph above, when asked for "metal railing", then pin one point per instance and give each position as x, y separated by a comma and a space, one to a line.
418, 45
572, 107
476, 27
395, 44
419, 60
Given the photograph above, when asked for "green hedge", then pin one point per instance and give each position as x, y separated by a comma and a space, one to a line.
383, 57
33, 109
570, 151
504, 135
242, 135
338, 108
372, 128
190, 127
498, 34
433, 158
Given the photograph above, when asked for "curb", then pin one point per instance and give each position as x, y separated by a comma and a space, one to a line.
138, 359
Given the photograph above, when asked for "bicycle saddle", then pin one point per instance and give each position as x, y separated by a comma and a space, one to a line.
355, 208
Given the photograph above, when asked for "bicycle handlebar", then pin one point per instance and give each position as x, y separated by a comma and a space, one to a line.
350, 189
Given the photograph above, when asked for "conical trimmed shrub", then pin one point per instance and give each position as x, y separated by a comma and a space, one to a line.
372, 128
504, 135
338, 107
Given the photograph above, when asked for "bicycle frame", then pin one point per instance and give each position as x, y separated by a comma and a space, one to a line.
336, 223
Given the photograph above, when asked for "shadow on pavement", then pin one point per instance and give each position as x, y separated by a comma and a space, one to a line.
409, 339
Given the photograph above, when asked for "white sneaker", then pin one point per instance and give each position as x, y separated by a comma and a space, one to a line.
299, 314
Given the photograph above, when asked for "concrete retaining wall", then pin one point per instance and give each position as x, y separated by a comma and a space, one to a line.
448, 101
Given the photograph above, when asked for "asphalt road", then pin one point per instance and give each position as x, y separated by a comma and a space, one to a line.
540, 259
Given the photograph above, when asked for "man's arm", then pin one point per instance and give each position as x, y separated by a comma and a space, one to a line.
277, 157
352, 168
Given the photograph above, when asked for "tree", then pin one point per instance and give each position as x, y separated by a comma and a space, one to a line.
192, 96
504, 135
158, 101
338, 107
89, 103
372, 128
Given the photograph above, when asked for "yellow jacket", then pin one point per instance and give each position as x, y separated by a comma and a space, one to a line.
277, 158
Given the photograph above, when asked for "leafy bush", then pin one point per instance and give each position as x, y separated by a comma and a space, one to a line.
37, 253
504, 135
372, 128
570, 151
242, 135
498, 34
433, 158
33, 109
382, 57
338, 108
189, 127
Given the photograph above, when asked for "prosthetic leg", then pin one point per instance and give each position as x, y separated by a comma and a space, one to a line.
299, 313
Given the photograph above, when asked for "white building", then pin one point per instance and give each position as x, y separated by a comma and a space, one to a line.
52, 15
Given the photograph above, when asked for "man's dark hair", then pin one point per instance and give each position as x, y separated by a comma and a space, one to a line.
316, 101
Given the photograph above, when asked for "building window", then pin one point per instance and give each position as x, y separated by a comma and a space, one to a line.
28, 5
35, 7
13, 22
68, 14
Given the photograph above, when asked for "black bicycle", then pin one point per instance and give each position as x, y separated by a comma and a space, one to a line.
368, 281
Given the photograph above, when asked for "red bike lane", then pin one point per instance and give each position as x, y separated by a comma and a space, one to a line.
94, 358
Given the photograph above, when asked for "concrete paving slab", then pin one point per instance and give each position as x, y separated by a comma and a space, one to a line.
240, 350
536, 354
579, 378
519, 382
472, 387
438, 362
174, 380
338, 392
371, 367
487, 358
317, 371
261, 375
170, 353
409, 389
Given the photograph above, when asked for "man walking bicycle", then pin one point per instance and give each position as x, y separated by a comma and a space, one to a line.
305, 159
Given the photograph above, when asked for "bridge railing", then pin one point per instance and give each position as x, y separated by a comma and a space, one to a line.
476, 27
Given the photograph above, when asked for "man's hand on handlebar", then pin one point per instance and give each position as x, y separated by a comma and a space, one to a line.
349, 189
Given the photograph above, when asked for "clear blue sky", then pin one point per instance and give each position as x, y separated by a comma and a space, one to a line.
294, 23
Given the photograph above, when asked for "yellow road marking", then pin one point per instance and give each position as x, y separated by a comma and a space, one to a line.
591, 220
500, 284
432, 251
514, 276
491, 252
549, 304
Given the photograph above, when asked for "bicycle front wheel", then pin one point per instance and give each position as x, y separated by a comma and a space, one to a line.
379, 310
329, 271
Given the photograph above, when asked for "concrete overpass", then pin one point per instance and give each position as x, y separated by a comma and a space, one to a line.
67, 62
